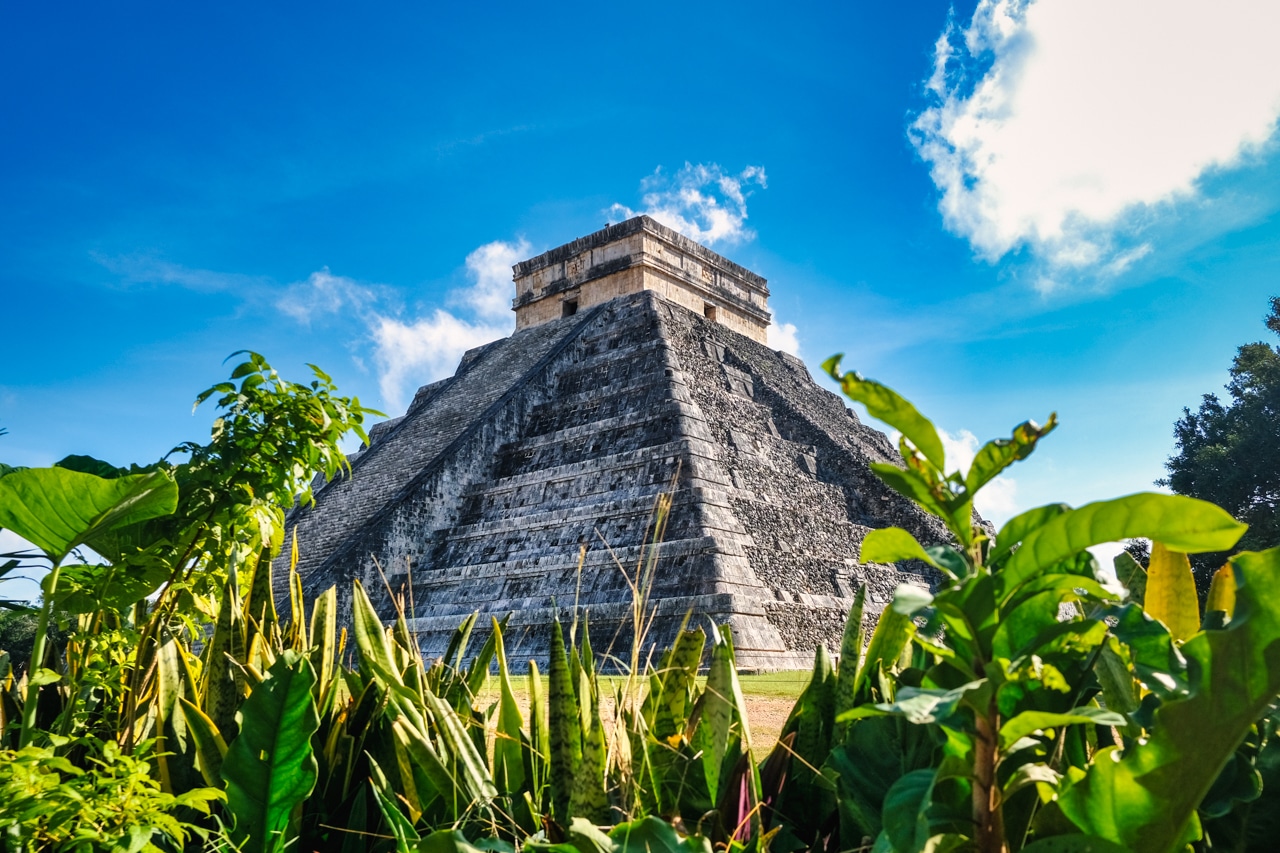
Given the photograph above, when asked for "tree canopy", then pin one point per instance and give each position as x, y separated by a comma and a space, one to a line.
1230, 453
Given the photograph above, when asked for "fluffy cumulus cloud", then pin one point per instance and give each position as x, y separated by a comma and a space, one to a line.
1063, 125
782, 336
489, 267
410, 351
702, 202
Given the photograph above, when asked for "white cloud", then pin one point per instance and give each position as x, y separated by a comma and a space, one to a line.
325, 293
410, 354
412, 351
1064, 125
783, 336
490, 266
702, 202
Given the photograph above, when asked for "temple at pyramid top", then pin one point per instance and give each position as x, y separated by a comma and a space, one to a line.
635, 255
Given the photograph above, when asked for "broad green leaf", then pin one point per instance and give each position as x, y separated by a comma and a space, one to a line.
57, 509
887, 405
906, 807
1030, 722
1171, 592
891, 544
653, 835
1020, 526
999, 454
920, 705
269, 767
85, 588
676, 683
912, 486
1146, 799
1185, 524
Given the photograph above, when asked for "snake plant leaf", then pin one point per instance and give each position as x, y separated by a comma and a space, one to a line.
57, 509
223, 685
1181, 523
887, 405
371, 638
891, 544
324, 634
891, 636
1171, 592
510, 743
457, 743
1146, 799
210, 747
269, 768
675, 683
565, 729
850, 658
712, 735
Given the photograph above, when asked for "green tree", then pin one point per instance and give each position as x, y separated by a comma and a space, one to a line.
1229, 454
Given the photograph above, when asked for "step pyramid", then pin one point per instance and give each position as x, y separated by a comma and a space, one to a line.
527, 482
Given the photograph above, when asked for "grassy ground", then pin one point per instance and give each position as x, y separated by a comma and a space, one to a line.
769, 700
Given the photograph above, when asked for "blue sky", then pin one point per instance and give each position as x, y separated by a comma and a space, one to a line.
1001, 209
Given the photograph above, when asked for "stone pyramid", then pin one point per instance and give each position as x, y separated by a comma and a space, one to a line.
638, 360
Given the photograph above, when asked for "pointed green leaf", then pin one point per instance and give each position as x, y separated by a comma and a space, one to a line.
269, 768
565, 729
891, 544
885, 404
999, 454
1030, 722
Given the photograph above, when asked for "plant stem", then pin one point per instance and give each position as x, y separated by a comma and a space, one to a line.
37, 657
987, 816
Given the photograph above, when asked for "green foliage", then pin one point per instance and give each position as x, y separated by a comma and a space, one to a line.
1067, 719
1023, 705
269, 768
112, 802
1230, 453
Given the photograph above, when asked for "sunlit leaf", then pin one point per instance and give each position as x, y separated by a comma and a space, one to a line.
887, 405
1185, 524
1171, 592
